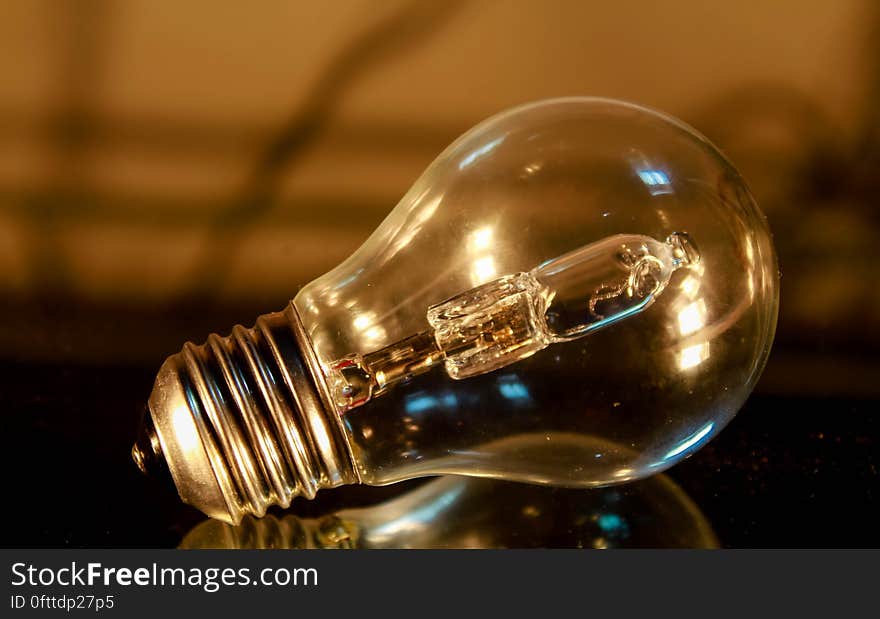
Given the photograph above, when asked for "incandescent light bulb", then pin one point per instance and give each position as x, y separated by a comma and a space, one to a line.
577, 292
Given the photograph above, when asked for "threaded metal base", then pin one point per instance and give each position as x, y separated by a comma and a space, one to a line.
242, 424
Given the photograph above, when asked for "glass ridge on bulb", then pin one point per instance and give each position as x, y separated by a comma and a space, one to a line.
577, 292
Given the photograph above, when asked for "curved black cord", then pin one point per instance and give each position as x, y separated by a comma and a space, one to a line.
408, 26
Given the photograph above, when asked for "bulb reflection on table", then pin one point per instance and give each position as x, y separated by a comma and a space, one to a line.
461, 512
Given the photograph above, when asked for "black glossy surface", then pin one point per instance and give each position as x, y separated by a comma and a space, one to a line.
786, 472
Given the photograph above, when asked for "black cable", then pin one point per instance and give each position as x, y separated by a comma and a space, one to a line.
411, 25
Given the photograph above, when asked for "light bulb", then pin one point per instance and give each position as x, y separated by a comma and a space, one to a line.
469, 512
577, 292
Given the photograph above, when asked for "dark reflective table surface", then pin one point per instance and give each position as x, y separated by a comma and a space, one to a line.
788, 471
467, 512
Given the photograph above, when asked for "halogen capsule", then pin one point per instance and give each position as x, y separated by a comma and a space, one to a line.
515, 316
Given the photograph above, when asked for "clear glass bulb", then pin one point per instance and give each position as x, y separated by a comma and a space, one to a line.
577, 292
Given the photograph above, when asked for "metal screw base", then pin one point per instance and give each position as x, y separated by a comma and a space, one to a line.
241, 422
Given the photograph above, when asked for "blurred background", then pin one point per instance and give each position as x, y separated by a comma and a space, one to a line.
168, 169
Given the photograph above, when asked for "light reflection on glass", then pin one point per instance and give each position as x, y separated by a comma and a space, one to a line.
692, 356
690, 286
418, 520
483, 270
374, 334
657, 181
750, 254
512, 388
420, 402
479, 152
611, 523
481, 238
691, 442
532, 168
401, 240
345, 282
692, 317
456, 512
371, 332
362, 321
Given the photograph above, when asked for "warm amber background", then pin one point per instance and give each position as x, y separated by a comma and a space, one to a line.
168, 168
129, 130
